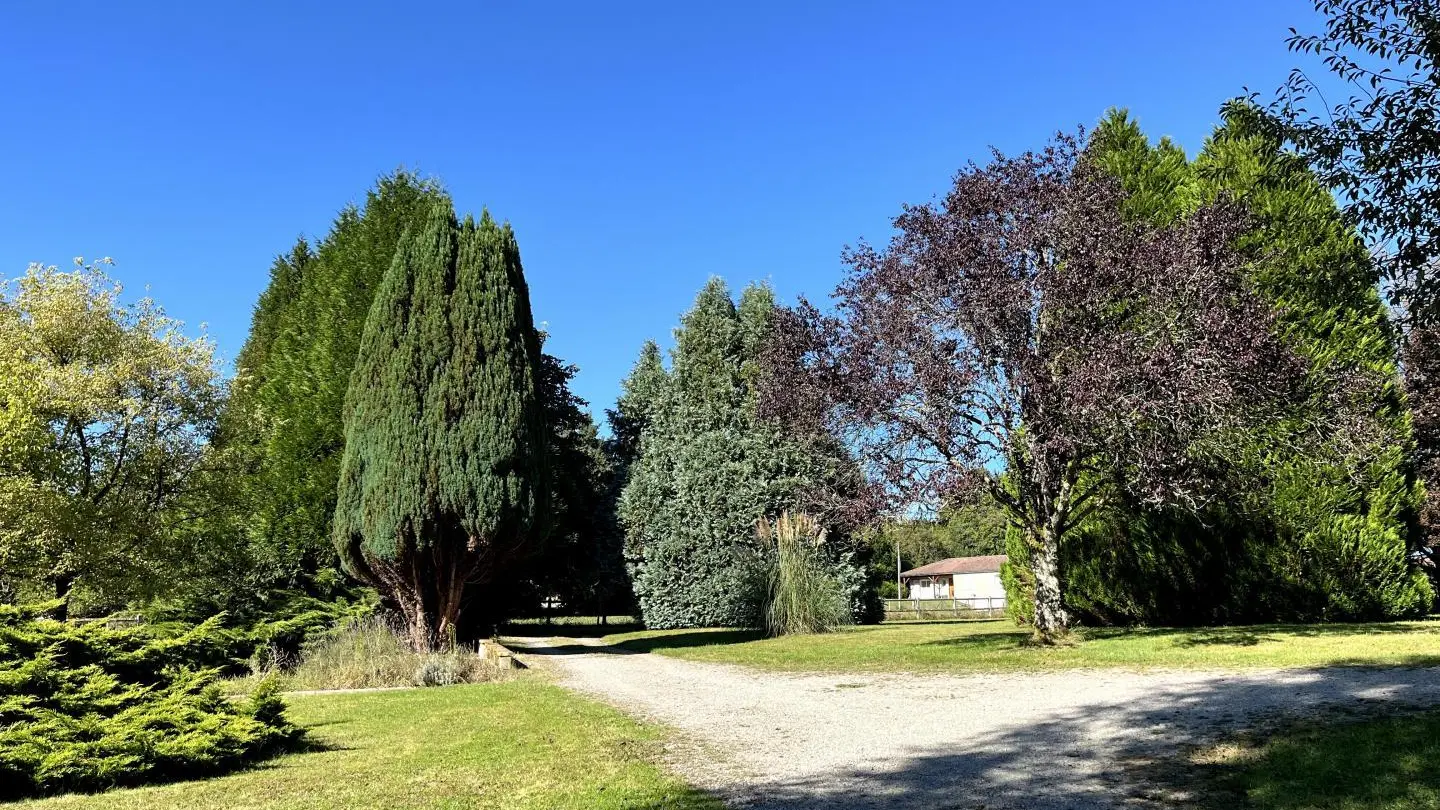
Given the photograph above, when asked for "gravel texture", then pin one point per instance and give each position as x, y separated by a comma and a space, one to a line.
1071, 740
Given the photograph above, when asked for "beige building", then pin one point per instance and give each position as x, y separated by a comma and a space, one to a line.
971, 580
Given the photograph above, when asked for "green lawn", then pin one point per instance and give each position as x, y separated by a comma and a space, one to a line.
1385, 764
519, 744
991, 646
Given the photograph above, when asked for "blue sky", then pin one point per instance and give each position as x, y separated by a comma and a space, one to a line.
637, 148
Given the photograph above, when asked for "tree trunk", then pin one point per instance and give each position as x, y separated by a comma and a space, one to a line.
1051, 620
428, 586
64, 583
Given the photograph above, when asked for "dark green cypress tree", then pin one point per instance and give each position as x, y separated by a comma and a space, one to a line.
442, 477
300, 377
241, 441
272, 313
582, 562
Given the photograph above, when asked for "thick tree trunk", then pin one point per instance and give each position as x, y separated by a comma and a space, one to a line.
428, 587
1051, 620
64, 583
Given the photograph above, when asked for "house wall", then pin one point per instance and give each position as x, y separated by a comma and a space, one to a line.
978, 585
967, 586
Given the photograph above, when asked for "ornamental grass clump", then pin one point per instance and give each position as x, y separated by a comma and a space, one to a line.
804, 597
373, 652
87, 708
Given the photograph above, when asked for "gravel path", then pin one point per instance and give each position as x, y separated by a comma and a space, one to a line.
1044, 741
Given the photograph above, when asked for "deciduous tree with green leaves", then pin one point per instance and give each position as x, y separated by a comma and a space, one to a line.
1379, 145
105, 412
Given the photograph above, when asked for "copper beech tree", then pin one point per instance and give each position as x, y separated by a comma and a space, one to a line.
1024, 326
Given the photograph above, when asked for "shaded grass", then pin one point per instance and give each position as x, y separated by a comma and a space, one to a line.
570, 626
520, 744
993, 646
1376, 764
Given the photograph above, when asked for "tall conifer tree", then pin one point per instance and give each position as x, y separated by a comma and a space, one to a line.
294, 369
708, 468
1324, 535
442, 477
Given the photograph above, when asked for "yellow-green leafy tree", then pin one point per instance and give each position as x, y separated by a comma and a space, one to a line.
105, 411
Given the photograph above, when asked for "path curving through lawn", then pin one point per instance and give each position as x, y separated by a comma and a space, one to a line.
1068, 740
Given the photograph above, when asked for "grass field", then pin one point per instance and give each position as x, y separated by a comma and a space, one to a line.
521, 744
1377, 764
994, 646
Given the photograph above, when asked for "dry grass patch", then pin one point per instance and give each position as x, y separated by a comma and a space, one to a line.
370, 653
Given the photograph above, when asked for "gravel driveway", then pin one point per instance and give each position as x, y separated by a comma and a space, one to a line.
1044, 741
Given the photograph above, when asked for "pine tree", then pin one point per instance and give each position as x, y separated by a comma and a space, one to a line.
707, 469
442, 477
640, 392
1325, 538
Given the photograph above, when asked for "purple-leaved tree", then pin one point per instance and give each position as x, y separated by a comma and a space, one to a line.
1025, 326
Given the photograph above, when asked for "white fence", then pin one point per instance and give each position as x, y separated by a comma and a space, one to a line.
971, 607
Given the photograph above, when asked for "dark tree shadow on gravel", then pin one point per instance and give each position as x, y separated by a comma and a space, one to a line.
1144, 750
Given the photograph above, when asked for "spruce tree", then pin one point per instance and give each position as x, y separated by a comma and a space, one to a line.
442, 476
707, 469
640, 392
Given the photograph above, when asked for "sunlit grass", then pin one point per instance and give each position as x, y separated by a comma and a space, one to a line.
989, 646
521, 744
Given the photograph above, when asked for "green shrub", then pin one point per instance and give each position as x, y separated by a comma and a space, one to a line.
278, 639
267, 636
86, 707
804, 596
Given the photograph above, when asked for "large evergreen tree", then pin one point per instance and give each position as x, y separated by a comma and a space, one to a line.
706, 470
295, 366
640, 393
442, 477
1324, 534
582, 562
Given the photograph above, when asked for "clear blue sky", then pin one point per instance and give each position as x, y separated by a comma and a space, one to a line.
638, 148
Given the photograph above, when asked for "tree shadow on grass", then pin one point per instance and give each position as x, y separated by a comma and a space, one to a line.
1267, 630
1224, 636
1123, 752
705, 638
1010, 639
1370, 755
579, 646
